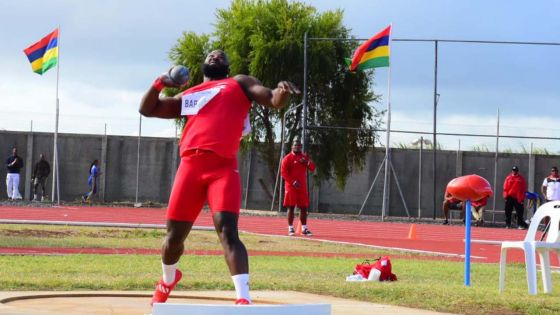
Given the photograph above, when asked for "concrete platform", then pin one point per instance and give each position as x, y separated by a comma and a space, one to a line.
137, 302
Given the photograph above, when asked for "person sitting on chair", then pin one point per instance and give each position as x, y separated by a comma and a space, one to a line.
477, 210
450, 203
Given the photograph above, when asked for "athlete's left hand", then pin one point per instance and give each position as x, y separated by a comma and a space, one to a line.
287, 86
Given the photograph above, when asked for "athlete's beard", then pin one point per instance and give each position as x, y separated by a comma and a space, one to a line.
215, 71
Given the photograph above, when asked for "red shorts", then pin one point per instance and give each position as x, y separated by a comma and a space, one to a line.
204, 176
296, 197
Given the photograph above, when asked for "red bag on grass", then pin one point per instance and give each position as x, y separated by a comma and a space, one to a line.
383, 264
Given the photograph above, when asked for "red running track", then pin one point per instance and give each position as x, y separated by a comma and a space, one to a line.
446, 241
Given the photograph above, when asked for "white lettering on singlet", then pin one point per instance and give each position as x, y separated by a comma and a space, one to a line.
192, 103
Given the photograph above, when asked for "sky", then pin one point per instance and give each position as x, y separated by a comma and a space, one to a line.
111, 51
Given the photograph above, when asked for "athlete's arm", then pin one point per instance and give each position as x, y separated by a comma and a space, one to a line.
154, 105
310, 165
255, 91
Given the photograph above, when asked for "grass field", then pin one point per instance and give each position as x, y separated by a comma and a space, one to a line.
426, 284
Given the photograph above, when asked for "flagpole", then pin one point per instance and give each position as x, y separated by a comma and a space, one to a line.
55, 180
385, 204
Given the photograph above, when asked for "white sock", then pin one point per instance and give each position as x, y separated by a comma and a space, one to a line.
241, 283
290, 227
304, 227
169, 272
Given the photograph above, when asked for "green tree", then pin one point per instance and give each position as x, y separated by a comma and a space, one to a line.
265, 39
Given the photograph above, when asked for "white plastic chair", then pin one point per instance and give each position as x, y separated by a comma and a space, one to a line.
530, 246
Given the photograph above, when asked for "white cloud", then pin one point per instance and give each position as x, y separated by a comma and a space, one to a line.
111, 50
84, 108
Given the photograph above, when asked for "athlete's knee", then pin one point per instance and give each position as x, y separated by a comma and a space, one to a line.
173, 240
177, 233
229, 235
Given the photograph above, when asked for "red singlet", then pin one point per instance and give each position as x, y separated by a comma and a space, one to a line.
217, 127
208, 149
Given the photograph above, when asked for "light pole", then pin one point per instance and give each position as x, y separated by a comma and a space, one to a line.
420, 141
434, 142
136, 203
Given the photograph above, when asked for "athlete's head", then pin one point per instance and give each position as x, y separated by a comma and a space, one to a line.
94, 163
296, 146
14, 151
216, 65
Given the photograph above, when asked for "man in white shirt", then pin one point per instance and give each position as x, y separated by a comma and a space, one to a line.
551, 185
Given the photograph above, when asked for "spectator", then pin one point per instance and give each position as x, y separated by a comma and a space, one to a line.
94, 173
551, 190
294, 172
14, 163
450, 203
477, 210
551, 186
41, 171
514, 195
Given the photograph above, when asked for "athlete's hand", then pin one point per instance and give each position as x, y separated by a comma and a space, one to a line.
175, 77
288, 87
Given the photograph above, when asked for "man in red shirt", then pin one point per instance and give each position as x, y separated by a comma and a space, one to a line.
294, 172
216, 111
514, 195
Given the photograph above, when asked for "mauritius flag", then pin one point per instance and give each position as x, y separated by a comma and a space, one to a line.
374, 53
43, 55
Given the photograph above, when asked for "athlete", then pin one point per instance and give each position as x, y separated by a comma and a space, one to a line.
216, 110
294, 172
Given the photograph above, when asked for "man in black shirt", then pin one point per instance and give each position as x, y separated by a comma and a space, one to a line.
41, 171
14, 163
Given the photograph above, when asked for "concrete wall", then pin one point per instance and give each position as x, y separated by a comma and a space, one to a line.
117, 156
159, 161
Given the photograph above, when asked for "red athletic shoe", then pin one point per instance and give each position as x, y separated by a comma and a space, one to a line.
163, 290
242, 302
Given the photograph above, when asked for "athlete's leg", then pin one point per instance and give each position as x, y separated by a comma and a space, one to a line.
186, 201
174, 242
234, 250
303, 215
445, 208
224, 199
291, 215
235, 253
